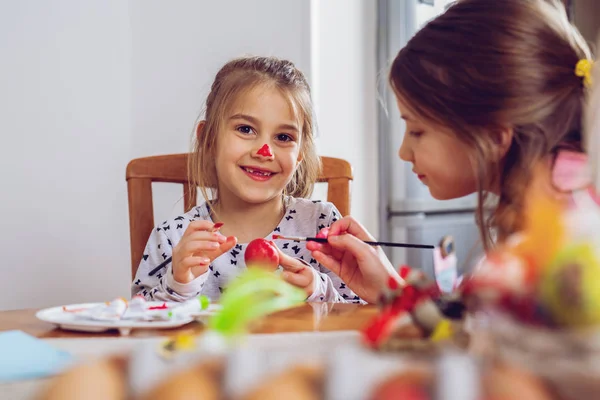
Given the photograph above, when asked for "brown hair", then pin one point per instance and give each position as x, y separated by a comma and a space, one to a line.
488, 65
239, 76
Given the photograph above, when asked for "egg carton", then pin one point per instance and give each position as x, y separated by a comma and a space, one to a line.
350, 370
296, 366
569, 360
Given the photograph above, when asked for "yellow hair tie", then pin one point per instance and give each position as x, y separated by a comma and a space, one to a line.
584, 70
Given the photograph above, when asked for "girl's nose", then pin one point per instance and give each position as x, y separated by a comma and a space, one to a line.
404, 152
265, 152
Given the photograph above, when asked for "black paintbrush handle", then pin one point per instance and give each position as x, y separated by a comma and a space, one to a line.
407, 245
389, 244
160, 266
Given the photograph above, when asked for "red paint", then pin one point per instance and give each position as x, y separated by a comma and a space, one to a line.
265, 151
163, 306
217, 226
276, 236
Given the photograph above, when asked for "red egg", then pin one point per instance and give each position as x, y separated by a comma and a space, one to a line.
261, 253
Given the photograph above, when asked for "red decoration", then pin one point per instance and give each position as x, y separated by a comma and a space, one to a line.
397, 300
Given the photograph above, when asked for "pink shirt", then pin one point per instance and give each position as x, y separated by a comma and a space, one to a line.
571, 173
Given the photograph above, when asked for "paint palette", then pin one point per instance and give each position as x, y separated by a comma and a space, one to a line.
124, 316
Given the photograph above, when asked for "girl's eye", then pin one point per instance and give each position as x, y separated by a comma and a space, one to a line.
245, 129
284, 137
415, 134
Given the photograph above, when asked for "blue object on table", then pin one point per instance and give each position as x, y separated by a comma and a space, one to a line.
23, 356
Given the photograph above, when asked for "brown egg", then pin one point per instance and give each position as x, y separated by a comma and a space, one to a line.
100, 380
298, 383
201, 382
504, 382
408, 385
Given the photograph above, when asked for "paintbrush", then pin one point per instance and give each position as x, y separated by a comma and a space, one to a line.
160, 266
324, 240
319, 240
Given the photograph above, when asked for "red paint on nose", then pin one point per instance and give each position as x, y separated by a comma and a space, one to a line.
265, 151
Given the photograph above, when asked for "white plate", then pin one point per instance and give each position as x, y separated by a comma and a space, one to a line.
202, 316
70, 321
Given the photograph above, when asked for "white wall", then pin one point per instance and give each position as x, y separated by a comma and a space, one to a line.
345, 82
87, 86
178, 47
65, 123
586, 15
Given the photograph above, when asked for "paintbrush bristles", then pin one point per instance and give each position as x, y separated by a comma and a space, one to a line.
276, 236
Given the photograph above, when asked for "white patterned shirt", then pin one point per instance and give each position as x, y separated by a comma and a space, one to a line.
302, 217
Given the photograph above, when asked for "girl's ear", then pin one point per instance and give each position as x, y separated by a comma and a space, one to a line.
200, 129
503, 139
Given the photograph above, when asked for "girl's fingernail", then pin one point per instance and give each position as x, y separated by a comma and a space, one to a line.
219, 236
217, 226
214, 245
204, 260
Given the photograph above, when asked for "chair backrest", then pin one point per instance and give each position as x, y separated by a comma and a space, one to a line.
172, 168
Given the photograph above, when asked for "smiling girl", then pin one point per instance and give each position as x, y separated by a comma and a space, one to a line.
254, 157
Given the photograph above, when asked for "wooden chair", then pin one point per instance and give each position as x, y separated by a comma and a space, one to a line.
172, 168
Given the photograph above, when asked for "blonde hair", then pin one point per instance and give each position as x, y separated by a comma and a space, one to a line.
239, 76
488, 65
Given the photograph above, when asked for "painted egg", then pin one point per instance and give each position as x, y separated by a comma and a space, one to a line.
569, 286
261, 253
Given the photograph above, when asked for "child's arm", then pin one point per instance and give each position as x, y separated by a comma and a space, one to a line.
328, 287
162, 286
320, 284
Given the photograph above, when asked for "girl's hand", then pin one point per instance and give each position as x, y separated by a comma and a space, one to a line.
297, 273
198, 247
365, 269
